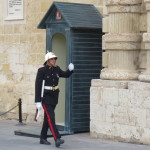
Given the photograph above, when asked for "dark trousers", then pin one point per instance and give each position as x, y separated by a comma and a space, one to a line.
49, 122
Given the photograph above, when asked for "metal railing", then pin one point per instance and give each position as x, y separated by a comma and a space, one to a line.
19, 105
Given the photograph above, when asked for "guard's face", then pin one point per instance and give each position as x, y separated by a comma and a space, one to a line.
52, 61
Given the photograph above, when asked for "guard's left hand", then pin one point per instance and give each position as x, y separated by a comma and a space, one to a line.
71, 67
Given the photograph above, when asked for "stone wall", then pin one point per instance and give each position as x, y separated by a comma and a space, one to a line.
120, 110
22, 50
120, 99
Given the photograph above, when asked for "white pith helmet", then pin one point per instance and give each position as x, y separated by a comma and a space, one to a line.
49, 55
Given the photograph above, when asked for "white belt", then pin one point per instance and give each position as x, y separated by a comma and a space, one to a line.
51, 88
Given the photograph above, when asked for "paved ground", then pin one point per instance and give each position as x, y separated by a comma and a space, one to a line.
9, 141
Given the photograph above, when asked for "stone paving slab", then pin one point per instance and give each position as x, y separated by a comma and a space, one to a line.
82, 141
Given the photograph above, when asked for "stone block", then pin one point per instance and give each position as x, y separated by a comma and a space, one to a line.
28, 69
146, 37
15, 39
107, 74
105, 58
23, 58
3, 78
109, 83
32, 77
143, 22
1, 29
105, 24
6, 68
110, 96
100, 9
44, 6
132, 98
148, 20
13, 115
125, 22
105, 10
137, 117
121, 115
41, 38
98, 112
103, 43
28, 99
31, 109
13, 58
17, 77
143, 99
124, 37
148, 118
93, 125
19, 28
31, 100
1, 38
145, 76
105, 129
8, 29
110, 111
16, 68
124, 9
142, 58
127, 98
123, 46
147, 4
24, 108
144, 135
7, 39
129, 134
116, 131
26, 78
136, 85
13, 49
123, 2
32, 59
24, 89
40, 58
96, 95
130, 116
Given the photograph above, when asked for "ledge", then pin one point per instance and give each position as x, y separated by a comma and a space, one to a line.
124, 2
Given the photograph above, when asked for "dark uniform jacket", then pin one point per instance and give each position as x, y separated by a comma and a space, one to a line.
51, 76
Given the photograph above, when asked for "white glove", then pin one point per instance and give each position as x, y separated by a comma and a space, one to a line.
71, 67
39, 106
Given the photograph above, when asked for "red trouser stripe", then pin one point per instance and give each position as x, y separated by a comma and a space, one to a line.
49, 121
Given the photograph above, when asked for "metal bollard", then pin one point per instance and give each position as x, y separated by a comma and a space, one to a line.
20, 110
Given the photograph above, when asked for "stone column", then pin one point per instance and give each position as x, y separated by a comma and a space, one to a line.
145, 75
122, 43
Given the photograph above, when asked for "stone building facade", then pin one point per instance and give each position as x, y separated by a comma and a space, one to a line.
22, 51
121, 98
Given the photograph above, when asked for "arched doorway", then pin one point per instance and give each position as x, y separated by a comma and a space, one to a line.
60, 50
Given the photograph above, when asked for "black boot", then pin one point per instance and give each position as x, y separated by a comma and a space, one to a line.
44, 141
58, 142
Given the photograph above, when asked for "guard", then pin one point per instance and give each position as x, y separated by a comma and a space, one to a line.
46, 95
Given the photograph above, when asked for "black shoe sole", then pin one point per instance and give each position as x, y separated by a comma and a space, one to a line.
59, 143
45, 143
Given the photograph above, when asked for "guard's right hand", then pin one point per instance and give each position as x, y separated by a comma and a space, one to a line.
38, 106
